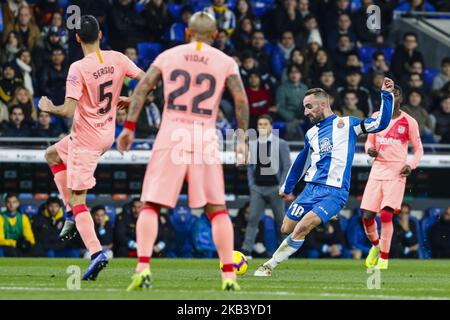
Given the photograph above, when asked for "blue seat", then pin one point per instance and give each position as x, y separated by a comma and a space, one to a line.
343, 222
365, 54
175, 9
281, 126
147, 52
140, 6
270, 234
183, 222
431, 217
25, 196
388, 53
111, 213
429, 74
260, 7
29, 209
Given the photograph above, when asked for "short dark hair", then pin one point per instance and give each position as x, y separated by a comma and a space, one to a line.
97, 208
17, 106
415, 74
445, 61
10, 195
404, 204
317, 92
291, 67
409, 34
413, 90
399, 90
378, 53
51, 200
352, 70
351, 91
266, 117
89, 29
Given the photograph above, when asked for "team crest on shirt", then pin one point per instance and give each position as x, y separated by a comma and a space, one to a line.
341, 124
401, 129
325, 146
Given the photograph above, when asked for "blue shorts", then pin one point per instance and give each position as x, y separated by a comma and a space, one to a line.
323, 200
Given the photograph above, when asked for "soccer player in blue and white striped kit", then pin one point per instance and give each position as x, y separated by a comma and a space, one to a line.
325, 163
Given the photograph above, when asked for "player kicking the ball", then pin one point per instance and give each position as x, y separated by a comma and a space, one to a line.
92, 97
387, 179
194, 76
326, 163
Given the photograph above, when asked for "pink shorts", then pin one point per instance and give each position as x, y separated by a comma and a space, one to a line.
164, 179
80, 162
383, 193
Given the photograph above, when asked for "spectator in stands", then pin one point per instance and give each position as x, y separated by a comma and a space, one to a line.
149, 119
9, 82
415, 81
444, 75
44, 128
404, 55
415, 5
202, 238
259, 99
176, 33
45, 10
375, 89
225, 17
103, 229
286, 17
243, 10
42, 54
332, 10
24, 64
416, 109
297, 58
57, 25
10, 10
289, 103
268, 167
321, 62
353, 82
327, 81
240, 223
310, 33
282, 52
357, 240
17, 126
16, 235
343, 28
439, 236
378, 65
47, 225
25, 27
121, 116
52, 82
125, 229
222, 123
10, 48
223, 43
23, 98
257, 46
126, 26
327, 241
353, 61
442, 117
350, 107
405, 241
249, 65
310, 52
241, 37
344, 47
166, 236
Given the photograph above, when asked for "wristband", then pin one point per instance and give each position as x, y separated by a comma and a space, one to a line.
131, 125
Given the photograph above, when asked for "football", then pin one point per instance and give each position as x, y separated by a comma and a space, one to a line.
240, 263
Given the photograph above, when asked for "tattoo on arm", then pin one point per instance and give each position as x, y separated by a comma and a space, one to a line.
145, 85
236, 88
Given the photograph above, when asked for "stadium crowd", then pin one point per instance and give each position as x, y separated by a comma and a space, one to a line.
26, 232
282, 47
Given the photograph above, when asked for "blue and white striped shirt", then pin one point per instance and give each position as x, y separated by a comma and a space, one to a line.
330, 147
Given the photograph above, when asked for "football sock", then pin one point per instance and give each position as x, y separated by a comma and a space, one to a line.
387, 229
60, 177
86, 229
146, 233
287, 248
370, 227
222, 233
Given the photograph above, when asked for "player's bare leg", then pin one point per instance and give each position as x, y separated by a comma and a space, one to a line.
387, 229
59, 171
370, 227
222, 232
85, 226
288, 226
146, 233
291, 244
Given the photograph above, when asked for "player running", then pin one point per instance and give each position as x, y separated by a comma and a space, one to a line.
194, 76
386, 185
92, 97
326, 163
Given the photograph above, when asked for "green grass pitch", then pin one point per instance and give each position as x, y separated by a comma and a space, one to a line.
200, 279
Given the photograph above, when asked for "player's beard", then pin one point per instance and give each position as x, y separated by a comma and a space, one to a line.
316, 119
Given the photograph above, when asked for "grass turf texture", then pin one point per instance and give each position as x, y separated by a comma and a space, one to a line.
200, 279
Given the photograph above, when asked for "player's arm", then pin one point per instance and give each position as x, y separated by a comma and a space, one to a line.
124, 101
414, 138
374, 125
370, 145
296, 172
237, 91
65, 110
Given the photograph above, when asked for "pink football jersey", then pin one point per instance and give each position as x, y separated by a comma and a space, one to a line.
194, 77
392, 147
95, 82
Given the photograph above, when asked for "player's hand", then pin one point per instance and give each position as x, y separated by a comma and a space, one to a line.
241, 154
45, 104
286, 197
372, 152
406, 171
123, 103
388, 84
125, 140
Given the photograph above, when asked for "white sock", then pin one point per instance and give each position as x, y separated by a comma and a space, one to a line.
287, 248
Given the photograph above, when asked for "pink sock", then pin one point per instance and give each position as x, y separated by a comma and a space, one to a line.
85, 226
222, 232
387, 229
370, 227
60, 178
146, 232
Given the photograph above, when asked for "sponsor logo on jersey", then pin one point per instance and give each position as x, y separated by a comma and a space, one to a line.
341, 124
401, 129
325, 146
